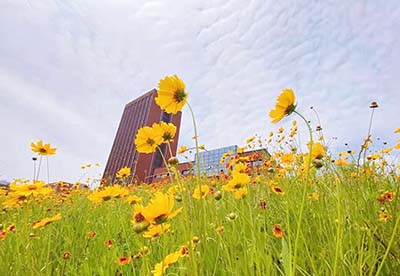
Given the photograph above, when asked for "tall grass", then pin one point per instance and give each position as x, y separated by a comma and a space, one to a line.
363, 245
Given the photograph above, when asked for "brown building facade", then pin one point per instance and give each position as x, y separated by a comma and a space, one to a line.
139, 113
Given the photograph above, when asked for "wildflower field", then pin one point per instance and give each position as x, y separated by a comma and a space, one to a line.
315, 212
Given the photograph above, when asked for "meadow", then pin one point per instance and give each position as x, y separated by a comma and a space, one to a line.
298, 213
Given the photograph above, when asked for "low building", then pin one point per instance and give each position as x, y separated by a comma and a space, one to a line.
161, 173
211, 166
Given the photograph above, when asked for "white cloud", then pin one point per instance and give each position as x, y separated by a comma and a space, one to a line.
68, 68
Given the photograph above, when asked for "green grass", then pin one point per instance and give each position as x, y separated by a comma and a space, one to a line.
339, 233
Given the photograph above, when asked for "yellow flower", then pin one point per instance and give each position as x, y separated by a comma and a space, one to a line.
317, 151
238, 181
341, 162
314, 196
156, 230
202, 192
240, 193
250, 139
108, 193
159, 209
202, 147
36, 188
397, 130
284, 105
171, 94
373, 156
45, 221
162, 266
123, 172
383, 216
133, 199
182, 149
165, 130
147, 140
220, 229
387, 150
287, 158
42, 149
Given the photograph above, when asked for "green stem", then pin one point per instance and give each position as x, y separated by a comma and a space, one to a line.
48, 174
389, 246
304, 194
196, 139
170, 150
166, 164
38, 171
202, 200
364, 146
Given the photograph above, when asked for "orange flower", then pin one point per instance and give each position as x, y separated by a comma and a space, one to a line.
278, 190
277, 231
108, 243
124, 260
3, 234
91, 234
389, 196
11, 228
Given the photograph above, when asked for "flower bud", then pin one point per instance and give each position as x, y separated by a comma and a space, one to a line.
232, 216
66, 255
217, 195
178, 197
195, 239
318, 163
173, 161
140, 226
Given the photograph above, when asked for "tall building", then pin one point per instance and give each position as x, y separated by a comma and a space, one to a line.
139, 113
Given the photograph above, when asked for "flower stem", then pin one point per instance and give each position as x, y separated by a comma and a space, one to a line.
170, 150
34, 170
196, 139
38, 171
303, 195
388, 246
364, 146
166, 164
48, 174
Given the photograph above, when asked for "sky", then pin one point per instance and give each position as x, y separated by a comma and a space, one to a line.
67, 69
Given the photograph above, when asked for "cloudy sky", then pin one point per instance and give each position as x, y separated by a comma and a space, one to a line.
67, 68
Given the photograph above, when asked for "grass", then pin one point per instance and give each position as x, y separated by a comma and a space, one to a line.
340, 232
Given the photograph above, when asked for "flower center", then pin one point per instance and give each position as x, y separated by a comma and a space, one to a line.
290, 109
105, 198
43, 150
161, 219
139, 217
150, 141
167, 136
32, 187
180, 95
